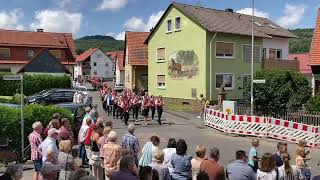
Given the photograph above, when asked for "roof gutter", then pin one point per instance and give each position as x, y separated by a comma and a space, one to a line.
210, 66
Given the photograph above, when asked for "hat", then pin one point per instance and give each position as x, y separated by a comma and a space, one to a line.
53, 131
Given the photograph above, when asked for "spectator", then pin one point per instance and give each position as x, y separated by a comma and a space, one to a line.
50, 169
49, 144
303, 170
127, 169
65, 130
112, 154
54, 123
168, 152
268, 169
88, 178
253, 155
87, 115
130, 141
282, 148
149, 150
163, 171
239, 169
145, 173
108, 124
301, 150
66, 160
95, 160
202, 176
82, 136
155, 175
212, 167
35, 140
13, 172
202, 106
286, 171
181, 162
78, 174
103, 140
195, 162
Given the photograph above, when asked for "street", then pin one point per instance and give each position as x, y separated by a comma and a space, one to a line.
188, 127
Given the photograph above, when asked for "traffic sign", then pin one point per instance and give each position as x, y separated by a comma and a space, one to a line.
12, 77
259, 81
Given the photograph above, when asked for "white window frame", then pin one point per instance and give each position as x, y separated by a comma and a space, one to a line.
30, 50
165, 80
177, 30
253, 46
165, 55
233, 81
225, 57
170, 26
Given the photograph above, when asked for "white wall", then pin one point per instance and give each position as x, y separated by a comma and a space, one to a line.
78, 70
119, 75
277, 43
101, 59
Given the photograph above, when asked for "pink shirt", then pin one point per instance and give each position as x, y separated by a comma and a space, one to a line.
35, 140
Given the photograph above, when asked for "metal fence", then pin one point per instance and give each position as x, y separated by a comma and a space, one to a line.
301, 116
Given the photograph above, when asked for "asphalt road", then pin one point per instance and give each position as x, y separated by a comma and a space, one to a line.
188, 127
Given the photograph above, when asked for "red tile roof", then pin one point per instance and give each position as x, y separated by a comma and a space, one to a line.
137, 50
112, 54
303, 59
85, 55
314, 58
37, 39
118, 56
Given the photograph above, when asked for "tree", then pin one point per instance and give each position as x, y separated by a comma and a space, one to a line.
282, 90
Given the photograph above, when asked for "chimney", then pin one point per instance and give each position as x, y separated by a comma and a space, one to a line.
229, 10
39, 30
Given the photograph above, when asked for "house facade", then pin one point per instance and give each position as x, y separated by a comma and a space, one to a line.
94, 62
136, 60
18, 48
118, 58
190, 54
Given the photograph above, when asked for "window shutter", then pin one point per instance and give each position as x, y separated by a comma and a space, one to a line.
224, 48
161, 79
161, 54
247, 53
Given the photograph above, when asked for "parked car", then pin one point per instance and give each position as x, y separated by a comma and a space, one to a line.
82, 89
52, 96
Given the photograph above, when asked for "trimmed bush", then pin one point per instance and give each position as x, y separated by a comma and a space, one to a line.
33, 84
6, 99
10, 120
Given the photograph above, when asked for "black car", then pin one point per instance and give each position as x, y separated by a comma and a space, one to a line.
52, 96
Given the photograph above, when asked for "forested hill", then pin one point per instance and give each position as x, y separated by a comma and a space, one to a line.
106, 43
303, 42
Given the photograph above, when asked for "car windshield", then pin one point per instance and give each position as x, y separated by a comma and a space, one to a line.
43, 92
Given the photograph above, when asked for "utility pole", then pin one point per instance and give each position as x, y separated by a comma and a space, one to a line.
252, 43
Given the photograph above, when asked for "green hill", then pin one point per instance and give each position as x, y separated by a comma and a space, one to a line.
106, 43
302, 43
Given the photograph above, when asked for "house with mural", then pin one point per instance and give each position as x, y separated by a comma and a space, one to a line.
136, 60
196, 50
118, 58
17, 48
94, 62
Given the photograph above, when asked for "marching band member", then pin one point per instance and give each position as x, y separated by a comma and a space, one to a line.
152, 106
159, 104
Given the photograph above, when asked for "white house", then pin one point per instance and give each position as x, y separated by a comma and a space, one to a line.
276, 48
118, 58
94, 62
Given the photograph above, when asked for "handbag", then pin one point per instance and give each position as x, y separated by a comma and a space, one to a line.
95, 160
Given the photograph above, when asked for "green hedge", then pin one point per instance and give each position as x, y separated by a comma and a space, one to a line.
33, 84
10, 120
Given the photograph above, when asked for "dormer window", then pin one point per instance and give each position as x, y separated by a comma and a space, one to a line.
272, 26
258, 24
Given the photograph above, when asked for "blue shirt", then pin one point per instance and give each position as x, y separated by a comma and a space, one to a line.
129, 141
278, 160
252, 153
240, 170
181, 166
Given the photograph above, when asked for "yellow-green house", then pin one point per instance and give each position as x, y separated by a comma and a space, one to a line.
195, 50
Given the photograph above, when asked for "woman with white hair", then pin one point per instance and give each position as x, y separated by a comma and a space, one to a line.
66, 160
35, 140
112, 154
13, 172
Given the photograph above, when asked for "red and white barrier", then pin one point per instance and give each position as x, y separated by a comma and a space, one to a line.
263, 127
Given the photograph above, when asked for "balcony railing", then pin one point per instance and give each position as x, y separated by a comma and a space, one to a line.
280, 64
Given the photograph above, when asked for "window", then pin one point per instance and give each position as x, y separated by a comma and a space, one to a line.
107, 64
161, 54
94, 64
247, 53
272, 26
56, 53
225, 50
246, 79
161, 81
264, 53
257, 23
275, 54
106, 73
177, 23
5, 70
99, 56
225, 79
4, 53
30, 53
169, 25
95, 72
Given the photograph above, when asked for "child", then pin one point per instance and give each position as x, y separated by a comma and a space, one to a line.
253, 155
303, 170
301, 150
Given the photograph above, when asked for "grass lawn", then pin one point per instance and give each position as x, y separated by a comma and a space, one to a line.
5, 99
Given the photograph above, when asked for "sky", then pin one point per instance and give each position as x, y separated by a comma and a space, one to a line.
114, 17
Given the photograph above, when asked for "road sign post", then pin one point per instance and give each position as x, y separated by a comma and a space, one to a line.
17, 78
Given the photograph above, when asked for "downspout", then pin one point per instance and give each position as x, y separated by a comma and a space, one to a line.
210, 66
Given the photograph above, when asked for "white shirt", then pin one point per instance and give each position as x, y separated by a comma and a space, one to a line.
83, 132
154, 150
167, 158
49, 144
266, 176
79, 98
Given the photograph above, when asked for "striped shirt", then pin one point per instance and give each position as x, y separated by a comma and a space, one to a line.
129, 141
35, 140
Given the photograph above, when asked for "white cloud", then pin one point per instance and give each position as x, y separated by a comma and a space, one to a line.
153, 20
120, 36
110, 34
11, 19
57, 21
112, 5
292, 15
62, 3
248, 11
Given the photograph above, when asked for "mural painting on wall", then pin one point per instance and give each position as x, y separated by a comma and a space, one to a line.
183, 65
